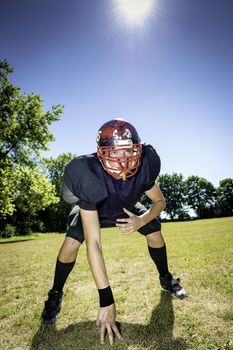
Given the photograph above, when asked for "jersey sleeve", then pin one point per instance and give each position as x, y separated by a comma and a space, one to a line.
68, 196
87, 205
82, 180
151, 169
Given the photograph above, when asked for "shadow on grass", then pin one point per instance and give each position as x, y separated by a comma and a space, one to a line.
157, 335
17, 241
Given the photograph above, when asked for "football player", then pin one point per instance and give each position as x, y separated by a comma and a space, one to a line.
106, 187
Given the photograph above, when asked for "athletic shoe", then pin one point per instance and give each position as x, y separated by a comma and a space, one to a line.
52, 307
172, 285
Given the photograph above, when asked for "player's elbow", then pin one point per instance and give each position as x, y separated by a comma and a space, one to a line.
163, 203
160, 203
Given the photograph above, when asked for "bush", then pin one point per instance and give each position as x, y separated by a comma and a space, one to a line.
38, 226
9, 231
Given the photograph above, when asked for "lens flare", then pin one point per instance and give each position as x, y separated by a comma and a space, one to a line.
134, 12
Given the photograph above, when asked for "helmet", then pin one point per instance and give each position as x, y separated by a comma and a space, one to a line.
119, 148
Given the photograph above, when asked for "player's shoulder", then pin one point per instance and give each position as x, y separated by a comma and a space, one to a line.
84, 177
83, 163
83, 170
149, 153
83, 159
150, 165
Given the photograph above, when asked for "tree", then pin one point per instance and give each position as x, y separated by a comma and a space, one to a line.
173, 189
54, 169
7, 184
225, 197
55, 216
33, 193
201, 196
24, 132
24, 124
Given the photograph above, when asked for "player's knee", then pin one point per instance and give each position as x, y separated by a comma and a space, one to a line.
69, 250
155, 239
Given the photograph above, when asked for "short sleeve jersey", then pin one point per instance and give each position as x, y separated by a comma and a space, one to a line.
86, 178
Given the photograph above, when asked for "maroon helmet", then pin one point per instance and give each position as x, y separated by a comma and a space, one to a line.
119, 148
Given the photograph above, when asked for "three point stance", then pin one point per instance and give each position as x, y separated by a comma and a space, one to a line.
107, 186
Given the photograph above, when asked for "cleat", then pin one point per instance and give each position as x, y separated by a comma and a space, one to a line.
52, 307
172, 286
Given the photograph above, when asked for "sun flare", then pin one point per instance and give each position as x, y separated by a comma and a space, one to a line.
134, 12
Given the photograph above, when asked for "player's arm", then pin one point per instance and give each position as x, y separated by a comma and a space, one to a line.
134, 222
158, 204
106, 318
91, 229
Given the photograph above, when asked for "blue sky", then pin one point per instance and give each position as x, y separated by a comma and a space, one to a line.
171, 78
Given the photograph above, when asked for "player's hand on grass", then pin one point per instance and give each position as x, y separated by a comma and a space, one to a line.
130, 224
106, 322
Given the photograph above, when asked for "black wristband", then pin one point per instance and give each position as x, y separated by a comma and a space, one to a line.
106, 297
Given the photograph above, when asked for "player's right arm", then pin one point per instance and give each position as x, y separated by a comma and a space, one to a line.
106, 319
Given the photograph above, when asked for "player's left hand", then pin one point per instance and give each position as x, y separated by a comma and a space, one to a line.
130, 224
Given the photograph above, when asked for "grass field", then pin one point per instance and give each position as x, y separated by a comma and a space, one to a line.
200, 253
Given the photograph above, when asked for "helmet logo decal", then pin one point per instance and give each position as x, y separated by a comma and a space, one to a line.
116, 135
127, 134
121, 138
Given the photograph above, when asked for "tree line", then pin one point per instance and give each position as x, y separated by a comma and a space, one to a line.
30, 185
194, 197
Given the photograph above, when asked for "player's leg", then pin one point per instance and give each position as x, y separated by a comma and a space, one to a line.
64, 265
158, 253
157, 250
65, 262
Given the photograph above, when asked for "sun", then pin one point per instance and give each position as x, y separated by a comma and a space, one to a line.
134, 12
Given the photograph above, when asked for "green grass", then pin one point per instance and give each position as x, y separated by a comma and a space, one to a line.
200, 253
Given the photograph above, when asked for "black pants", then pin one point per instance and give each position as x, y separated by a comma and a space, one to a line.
76, 228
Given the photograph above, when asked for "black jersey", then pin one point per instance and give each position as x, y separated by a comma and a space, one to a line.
97, 190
